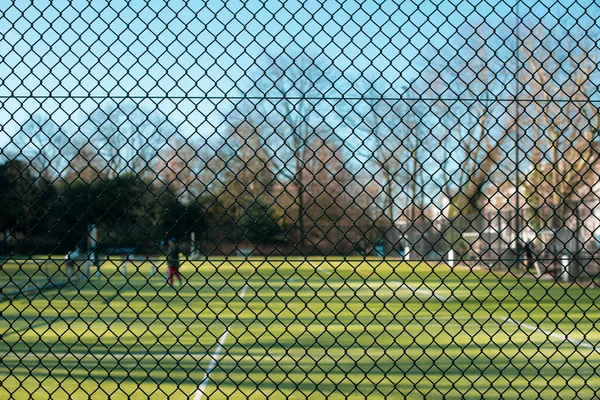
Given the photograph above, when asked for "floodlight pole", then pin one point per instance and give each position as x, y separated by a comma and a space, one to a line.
517, 132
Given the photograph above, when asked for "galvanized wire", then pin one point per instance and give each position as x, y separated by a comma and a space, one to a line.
290, 200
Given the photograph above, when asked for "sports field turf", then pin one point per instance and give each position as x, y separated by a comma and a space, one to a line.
301, 329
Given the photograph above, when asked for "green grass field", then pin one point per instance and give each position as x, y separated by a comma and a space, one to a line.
297, 329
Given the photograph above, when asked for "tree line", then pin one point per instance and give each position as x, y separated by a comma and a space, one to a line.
238, 193
314, 161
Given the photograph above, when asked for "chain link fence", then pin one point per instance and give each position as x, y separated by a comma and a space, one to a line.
299, 199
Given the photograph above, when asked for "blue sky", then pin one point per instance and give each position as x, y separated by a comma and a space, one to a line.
191, 49
188, 55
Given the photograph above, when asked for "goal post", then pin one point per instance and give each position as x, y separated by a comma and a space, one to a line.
194, 247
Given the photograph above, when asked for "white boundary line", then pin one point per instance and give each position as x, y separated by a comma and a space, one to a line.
428, 293
100, 357
421, 291
563, 338
412, 289
216, 355
322, 269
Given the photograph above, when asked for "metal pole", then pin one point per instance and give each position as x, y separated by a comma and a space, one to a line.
517, 133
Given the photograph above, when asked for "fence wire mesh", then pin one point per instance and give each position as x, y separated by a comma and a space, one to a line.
262, 199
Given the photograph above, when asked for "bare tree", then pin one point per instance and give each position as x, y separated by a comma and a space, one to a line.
42, 141
147, 132
249, 167
394, 144
475, 127
329, 206
104, 125
127, 136
415, 142
563, 121
175, 168
560, 85
86, 165
296, 89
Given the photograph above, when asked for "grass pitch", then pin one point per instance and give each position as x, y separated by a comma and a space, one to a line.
300, 328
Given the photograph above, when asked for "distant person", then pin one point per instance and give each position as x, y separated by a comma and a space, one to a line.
173, 261
528, 256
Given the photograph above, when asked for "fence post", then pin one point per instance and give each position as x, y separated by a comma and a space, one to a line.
92, 242
564, 259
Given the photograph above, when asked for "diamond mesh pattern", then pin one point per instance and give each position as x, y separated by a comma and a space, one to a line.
299, 199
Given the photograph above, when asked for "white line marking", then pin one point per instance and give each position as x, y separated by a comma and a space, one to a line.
359, 285
419, 290
563, 338
216, 355
100, 357
213, 363
243, 292
322, 269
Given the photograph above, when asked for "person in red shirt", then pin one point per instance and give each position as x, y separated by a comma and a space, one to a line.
173, 261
